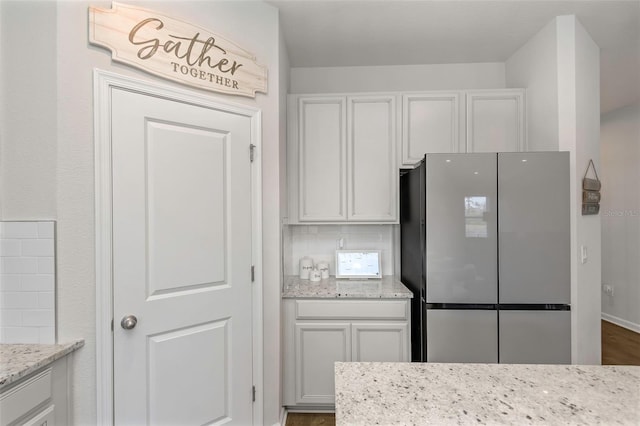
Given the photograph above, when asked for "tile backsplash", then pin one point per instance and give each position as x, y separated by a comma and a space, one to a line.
27, 282
321, 241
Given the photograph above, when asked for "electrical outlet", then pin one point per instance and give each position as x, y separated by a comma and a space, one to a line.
607, 289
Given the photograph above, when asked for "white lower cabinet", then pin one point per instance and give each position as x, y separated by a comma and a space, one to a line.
318, 333
379, 341
317, 347
39, 399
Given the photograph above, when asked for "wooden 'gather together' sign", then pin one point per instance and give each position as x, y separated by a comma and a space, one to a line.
176, 50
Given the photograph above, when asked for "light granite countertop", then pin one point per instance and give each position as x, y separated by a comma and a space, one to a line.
385, 288
20, 360
490, 394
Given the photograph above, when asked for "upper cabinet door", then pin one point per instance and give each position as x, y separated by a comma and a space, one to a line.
430, 124
372, 168
496, 121
322, 160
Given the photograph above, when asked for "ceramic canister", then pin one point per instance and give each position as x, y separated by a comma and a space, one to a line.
323, 267
306, 265
315, 275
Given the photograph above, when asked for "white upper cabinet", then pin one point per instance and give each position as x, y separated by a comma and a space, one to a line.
344, 151
465, 121
372, 168
322, 159
342, 159
496, 121
430, 124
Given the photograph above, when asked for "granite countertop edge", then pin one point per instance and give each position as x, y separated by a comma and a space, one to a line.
470, 394
386, 288
21, 359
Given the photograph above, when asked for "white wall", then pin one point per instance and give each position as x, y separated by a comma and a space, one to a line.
534, 66
620, 210
579, 133
53, 91
560, 68
28, 98
398, 78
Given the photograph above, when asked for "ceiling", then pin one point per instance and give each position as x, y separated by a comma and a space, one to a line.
334, 33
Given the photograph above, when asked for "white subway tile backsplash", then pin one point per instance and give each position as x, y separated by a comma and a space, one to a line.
19, 335
10, 317
46, 300
27, 282
46, 230
19, 265
43, 282
10, 282
46, 265
38, 318
46, 335
38, 248
18, 300
320, 243
21, 230
10, 248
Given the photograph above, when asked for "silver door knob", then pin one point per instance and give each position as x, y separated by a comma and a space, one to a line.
129, 322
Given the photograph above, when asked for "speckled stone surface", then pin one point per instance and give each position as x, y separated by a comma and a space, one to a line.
384, 288
19, 360
489, 394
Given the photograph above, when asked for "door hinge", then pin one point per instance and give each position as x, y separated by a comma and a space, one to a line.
111, 324
253, 273
252, 149
253, 393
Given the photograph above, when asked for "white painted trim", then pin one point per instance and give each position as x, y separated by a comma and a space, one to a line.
284, 413
103, 83
621, 322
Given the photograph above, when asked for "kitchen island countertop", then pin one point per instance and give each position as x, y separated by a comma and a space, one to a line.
494, 394
385, 288
20, 360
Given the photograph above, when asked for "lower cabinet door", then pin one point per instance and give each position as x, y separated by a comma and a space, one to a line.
380, 342
317, 347
45, 417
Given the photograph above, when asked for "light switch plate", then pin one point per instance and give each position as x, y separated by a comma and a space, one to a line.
583, 254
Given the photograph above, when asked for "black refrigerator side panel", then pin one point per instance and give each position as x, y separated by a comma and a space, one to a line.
412, 210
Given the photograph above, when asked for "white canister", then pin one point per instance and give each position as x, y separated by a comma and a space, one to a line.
323, 267
315, 275
306, 265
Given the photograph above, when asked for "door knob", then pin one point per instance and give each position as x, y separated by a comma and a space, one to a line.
129, 322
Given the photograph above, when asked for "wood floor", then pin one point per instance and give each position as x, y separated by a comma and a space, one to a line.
620, 346
311, 419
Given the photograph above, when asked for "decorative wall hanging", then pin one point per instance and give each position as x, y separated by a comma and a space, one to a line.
590, 192
176, 50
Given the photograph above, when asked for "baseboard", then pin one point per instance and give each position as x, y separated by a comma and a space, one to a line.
283, 417
621, 322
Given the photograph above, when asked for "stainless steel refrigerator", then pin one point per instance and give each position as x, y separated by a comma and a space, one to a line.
485, 247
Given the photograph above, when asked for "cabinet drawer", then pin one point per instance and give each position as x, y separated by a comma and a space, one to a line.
352, 309
45, 417
21, 399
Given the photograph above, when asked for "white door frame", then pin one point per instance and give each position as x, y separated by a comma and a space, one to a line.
103, 83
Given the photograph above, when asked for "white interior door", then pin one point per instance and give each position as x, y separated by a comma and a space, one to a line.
181, 263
